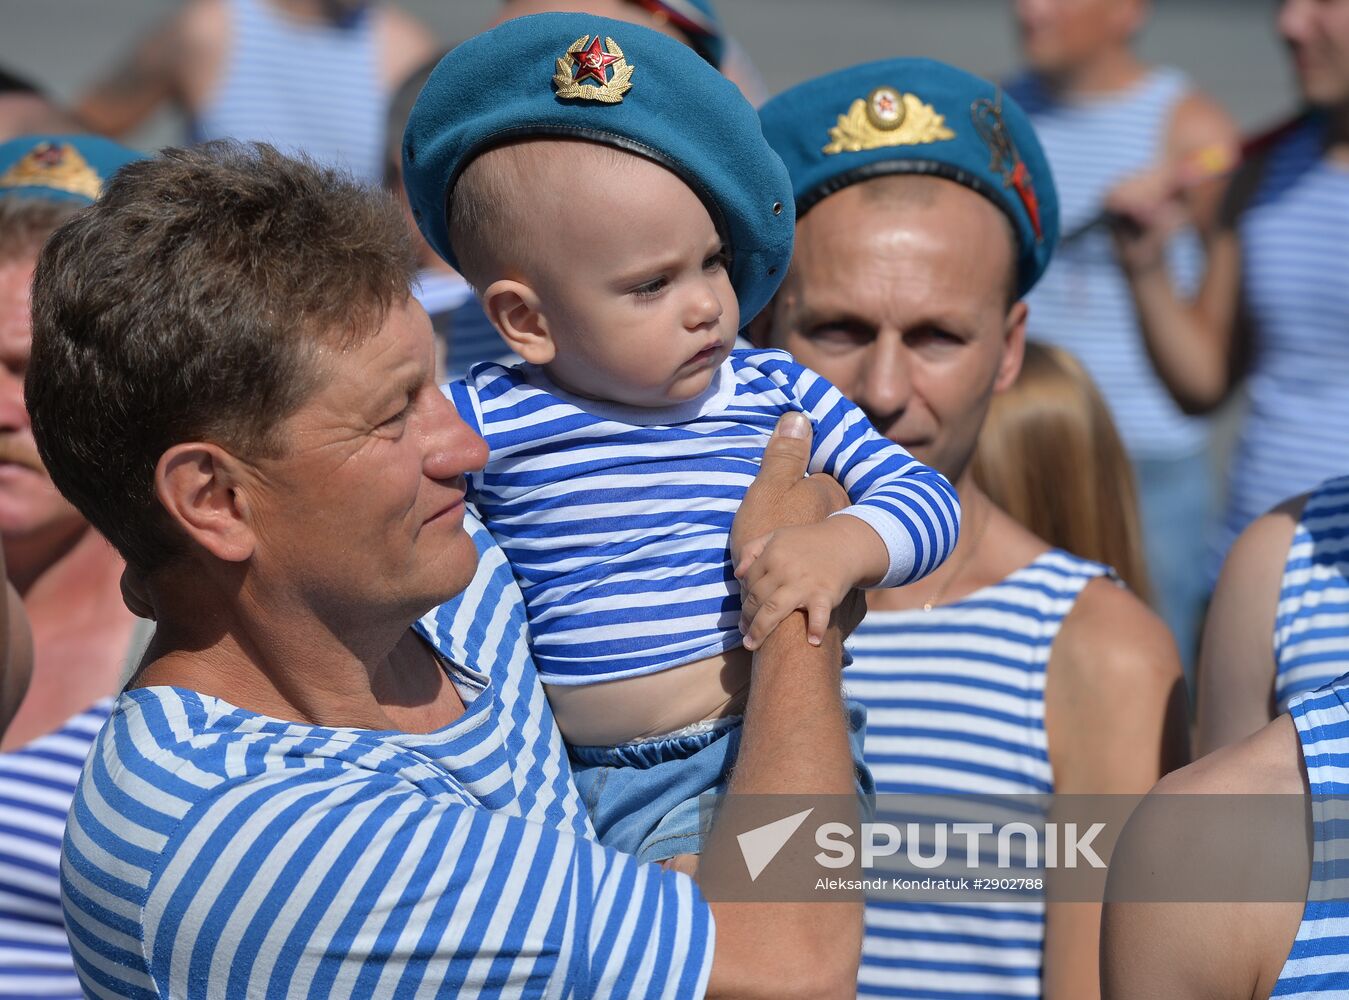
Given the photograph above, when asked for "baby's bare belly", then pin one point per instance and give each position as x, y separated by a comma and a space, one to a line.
637, 708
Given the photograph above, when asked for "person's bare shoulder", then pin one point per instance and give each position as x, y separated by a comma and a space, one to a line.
1236, 662
1211, 950
1115, 696
1197, 122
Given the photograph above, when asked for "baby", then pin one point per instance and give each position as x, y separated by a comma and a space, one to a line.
614, 231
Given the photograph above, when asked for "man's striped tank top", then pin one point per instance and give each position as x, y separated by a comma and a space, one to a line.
301, 86
1083, 303
1311, 630
1296, 281
37, 783
1318, 964
955, 701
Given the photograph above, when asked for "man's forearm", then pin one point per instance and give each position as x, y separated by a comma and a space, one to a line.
1191, 357
795, 739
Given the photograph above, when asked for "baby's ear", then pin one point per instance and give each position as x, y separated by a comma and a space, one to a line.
516, 311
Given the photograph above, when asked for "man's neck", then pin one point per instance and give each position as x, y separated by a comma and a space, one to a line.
1110, 72
991, 547
1337, 138
81, 629
260, 653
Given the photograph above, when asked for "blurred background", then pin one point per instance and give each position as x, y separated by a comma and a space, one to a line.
1228, 46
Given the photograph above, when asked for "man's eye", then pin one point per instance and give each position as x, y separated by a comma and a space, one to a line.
400, 416
840, 335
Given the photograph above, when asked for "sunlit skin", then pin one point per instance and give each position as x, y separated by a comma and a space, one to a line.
65, 572
1080, 45
1317, 35
327, 549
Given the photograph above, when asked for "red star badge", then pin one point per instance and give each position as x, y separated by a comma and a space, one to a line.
592, 63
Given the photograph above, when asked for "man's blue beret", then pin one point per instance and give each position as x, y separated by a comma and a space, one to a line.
60, 167
901, 116
582, 77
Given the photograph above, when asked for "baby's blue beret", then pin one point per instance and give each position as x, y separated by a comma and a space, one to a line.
919, 116
583, 77
60, 167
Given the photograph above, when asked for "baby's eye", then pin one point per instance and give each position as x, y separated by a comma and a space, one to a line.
651, 288
717, 261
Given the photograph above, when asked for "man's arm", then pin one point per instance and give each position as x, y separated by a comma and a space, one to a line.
1116, 721
795, 742
1194, 345
1236, 658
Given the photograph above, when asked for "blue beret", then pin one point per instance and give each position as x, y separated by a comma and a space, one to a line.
582, 77
901, 116
698, 21
60, 167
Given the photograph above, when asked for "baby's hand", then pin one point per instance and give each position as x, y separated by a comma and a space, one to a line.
811, 567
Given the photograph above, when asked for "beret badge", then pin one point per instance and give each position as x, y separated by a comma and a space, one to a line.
1005, 159
589, 72
887, 117
58, 166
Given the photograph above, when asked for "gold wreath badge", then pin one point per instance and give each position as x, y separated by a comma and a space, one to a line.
568, 86
873, 123
59, 167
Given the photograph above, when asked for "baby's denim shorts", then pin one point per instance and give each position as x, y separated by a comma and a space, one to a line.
643, 796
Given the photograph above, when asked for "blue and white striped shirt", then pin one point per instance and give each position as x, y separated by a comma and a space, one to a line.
1083, 303
955, 701
37, 783
1311, 629
1318, 963
303, 87
617, 519
212, 852
1296, 282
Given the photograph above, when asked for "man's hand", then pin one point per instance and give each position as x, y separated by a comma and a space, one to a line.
781, 495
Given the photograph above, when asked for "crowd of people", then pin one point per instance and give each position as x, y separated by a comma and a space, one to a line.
419, 499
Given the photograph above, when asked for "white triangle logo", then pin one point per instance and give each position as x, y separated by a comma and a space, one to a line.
762, 844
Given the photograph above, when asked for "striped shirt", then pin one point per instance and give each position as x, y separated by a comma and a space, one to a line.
955, 701
1296, 280
213, 852
1083, 303
617, 519
1318, 963
303, 87
37, 782
1311, 629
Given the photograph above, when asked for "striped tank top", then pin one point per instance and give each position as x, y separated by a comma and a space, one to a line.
1083, 303
1311, 630
37, 783
301, 87
1296, 279
955, 701
1318, 964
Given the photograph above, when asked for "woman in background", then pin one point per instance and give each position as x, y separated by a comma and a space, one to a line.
1050, 456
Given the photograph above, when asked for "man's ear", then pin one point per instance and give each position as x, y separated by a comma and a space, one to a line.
198, 484
516, 311
1013, 347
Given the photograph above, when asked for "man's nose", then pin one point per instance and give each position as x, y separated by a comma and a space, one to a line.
13, 415
886, 384
453, 448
